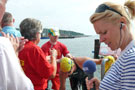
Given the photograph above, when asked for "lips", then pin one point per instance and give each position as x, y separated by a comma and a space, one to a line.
108, 44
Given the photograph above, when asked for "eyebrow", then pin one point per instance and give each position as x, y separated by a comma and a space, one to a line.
99, 32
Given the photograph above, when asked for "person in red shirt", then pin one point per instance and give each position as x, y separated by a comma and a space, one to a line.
32, 58
61, 49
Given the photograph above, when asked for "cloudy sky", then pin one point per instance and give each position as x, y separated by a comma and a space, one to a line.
70, 15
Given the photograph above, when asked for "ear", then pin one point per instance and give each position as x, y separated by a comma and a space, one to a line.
123, 22
13, 20
49, 34
37, 34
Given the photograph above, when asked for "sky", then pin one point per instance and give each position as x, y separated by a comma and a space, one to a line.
71, 15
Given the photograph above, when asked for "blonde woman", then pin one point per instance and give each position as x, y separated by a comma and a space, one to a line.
112, 22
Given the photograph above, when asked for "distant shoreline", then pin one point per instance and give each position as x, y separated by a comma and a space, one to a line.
67, 37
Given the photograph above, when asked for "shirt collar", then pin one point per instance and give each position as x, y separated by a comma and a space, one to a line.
131, 44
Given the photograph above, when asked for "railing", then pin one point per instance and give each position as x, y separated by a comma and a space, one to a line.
106, 64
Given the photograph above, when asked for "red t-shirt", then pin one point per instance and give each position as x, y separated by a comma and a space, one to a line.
35, 65
61, 50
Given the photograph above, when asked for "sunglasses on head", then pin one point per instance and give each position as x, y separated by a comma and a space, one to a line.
103, 7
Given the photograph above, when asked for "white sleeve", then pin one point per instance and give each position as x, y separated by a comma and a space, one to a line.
11, 75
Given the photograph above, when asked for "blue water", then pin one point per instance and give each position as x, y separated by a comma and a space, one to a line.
78, 47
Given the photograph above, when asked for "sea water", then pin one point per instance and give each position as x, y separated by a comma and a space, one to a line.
78, 47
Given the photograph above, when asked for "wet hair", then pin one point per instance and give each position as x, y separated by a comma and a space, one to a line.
127, 11
7, 18
29, 28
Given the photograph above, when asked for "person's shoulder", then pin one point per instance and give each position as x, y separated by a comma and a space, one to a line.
46, 44
8, 28
18, 34
11, 30
128, 56
60, 43
4, 42
32, 47
0, 35
3, 39
130, 51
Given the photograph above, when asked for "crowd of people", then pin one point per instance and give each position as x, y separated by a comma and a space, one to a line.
26, 66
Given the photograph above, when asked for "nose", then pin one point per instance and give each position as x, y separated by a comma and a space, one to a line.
56, 36
102, 38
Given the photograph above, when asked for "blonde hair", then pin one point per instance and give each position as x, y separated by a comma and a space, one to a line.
127, 11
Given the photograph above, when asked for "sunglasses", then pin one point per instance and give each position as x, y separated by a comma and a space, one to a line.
103, 7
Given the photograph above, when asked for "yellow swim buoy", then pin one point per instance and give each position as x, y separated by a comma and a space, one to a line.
109, 62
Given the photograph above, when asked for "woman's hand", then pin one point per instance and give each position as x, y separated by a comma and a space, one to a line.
53, 53
69, 56
89, 83
22, 42
17, 42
